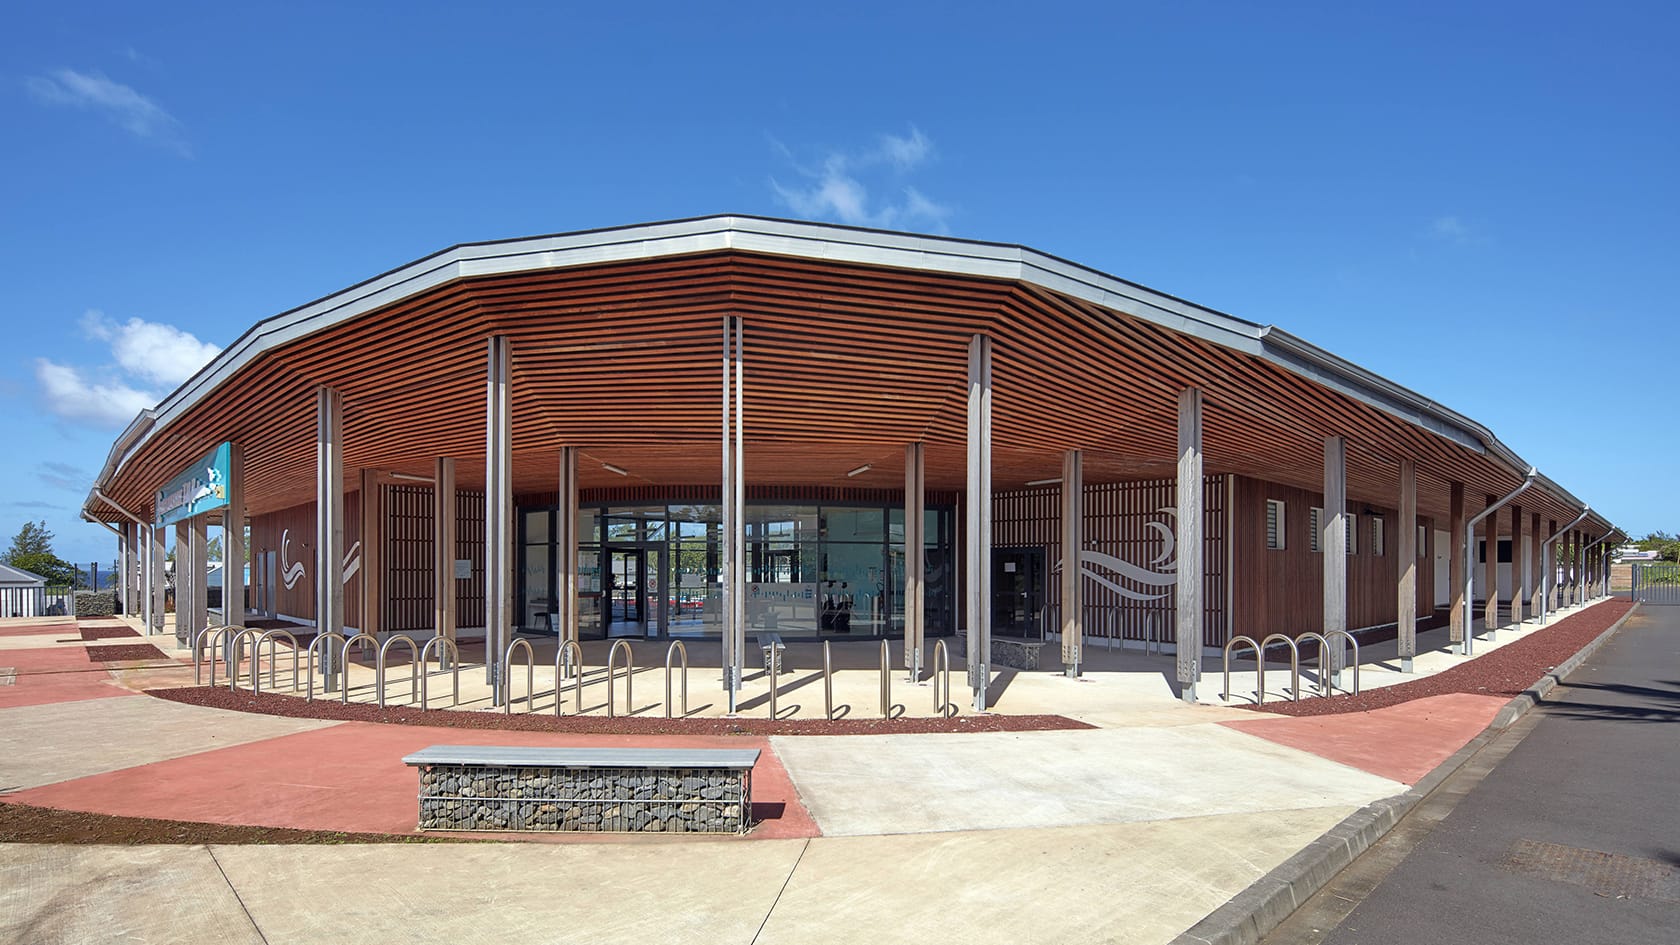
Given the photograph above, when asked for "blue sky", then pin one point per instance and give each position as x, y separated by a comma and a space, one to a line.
1478, 200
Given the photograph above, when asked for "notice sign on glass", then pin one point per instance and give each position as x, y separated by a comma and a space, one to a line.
203, 487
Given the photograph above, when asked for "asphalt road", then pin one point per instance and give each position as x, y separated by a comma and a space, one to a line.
1569, 831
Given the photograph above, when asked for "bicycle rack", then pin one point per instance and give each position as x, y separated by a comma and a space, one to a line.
344, 664
1152, 643
1259, 658
1294, 666
886, 680
326, 656
676, 648
1323, 658
629, 671
564, 666
1355, 644
200, 647
236, 655
942, 658
775, 676
828, 683
454, 666
530, 676
413, 668
273, 658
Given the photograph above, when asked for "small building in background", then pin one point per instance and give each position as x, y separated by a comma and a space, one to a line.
22, 593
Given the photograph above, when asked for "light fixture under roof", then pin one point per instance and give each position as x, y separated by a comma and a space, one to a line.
1045, 482
609, 467
410, 477
860, 470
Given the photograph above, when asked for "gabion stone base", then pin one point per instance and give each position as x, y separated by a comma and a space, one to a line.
1013, 652
612, 800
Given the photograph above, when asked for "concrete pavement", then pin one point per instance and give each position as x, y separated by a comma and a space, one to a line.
1129, 833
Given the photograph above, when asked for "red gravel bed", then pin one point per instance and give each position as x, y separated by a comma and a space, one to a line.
106, 633
131, 651
26, 823
270, 704
1506, 671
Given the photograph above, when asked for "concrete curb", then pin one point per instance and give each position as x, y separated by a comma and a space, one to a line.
1254, 912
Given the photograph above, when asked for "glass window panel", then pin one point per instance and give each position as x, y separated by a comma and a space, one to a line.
854, 524
537, 525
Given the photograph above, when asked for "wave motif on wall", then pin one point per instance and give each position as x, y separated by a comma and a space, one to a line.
1155, 581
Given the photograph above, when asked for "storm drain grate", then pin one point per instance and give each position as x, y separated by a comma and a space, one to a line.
1605, 874
8, 675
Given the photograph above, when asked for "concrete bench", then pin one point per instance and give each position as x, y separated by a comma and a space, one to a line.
608, 790
773, 650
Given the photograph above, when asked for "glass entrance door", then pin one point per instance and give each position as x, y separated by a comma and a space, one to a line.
627, 592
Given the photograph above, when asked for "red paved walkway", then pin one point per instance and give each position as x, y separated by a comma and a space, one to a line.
1402, 742
351, 777
55, 674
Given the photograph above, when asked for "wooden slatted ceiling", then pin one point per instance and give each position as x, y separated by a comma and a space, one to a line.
845, 364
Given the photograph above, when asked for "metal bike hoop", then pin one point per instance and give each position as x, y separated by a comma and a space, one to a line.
454, 666
676, 649
530, 676
413, 668
565, 666
309, 662
629, 672
273, 658
1259, 658
344, 664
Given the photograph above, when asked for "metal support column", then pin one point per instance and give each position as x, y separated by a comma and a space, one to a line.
1334, 541
1490, 567
124, 530
155, 599
1073, 579
1551, 562
369, 573
1493, 558
1519, 590
233, 541
199, 543
1406, 613
498, 515
734, 518
566, 538
185, 632
915, 566
1457, 565
444, 524
329, 524
978, 509
1188, 596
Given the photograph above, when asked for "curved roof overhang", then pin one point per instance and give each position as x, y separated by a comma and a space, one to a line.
777, 270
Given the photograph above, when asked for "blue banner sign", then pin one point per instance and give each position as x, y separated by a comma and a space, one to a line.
203, 487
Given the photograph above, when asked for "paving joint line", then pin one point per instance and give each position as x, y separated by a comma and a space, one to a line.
1248, 917
777, 901
236, 896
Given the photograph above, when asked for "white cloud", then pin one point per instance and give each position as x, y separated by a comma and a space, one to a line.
151, 359
71, 395
1452, 230
129, 109
151, 351
835, 188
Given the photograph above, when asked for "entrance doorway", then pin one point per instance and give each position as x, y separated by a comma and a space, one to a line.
635, 594
1018, 592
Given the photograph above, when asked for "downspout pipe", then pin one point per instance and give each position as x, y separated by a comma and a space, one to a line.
1588, 546
1492, 549
1546, 582
113, 504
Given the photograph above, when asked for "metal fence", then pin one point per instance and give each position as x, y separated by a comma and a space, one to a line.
1656, 583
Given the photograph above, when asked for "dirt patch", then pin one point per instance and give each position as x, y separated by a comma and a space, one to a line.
131, 651
292, 707
1506, 671
26, 823
106, 633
